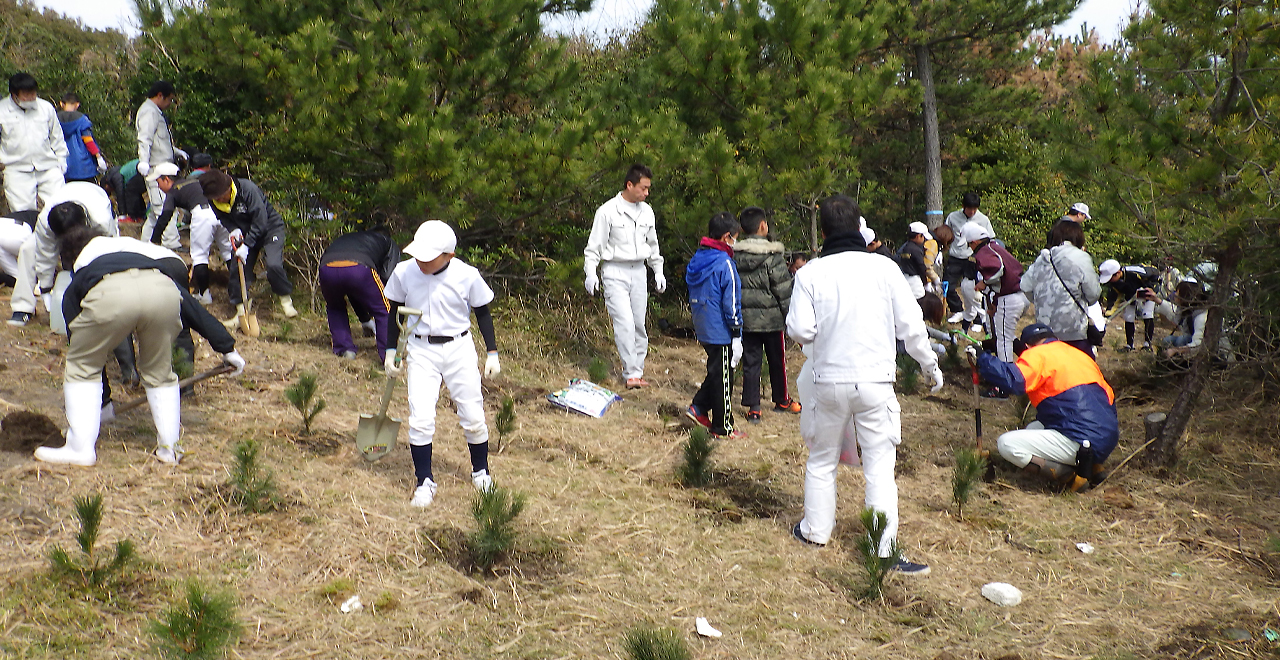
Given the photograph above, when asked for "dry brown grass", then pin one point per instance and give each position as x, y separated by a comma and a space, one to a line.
612, 540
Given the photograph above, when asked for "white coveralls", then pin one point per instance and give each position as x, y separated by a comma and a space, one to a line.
850, 308
33, 152
446, 300
624, 236
38, 257
155, 146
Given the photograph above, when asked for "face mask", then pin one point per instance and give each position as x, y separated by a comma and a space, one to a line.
27, 105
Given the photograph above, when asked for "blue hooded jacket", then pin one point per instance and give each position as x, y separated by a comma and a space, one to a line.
80, 163
715, 294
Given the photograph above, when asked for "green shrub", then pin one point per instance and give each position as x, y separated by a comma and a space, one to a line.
969, 468
646, 643
876, 567
495, 511
90, 570
696, 469
303, 398
598, 370
200, 625
252, 486
908, 374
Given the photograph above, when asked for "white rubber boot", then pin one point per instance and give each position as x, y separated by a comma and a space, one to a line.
286, 305
166, 412
234, 322
84, 407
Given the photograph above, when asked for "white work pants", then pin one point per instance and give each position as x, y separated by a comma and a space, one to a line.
972, 299
1147, 307
1005, 324
1018, 447
206, 232
22, 189
12, 235
877, 418
626, 295
155, 206
455, 365
24, 290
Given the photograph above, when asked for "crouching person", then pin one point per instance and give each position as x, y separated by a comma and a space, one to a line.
114, 293
1076, 426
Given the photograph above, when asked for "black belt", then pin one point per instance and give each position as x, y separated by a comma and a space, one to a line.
443, 339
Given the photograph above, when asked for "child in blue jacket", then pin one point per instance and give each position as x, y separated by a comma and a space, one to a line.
715, 296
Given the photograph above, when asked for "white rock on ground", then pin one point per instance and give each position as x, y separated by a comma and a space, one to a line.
1002, 594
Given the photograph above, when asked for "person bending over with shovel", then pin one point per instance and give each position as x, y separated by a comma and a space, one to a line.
114, 293
1076, 426
439, 349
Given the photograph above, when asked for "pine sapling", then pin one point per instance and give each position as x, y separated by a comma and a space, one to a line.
598, 370
252, 485
695, 472
876, 567
908, 374
969, 468
200, 625
182, 367
505, 422
952, 360
645, 643
303, 397
495, 511
90, 570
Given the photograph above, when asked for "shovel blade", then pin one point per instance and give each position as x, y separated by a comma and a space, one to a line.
376, 436
249, 325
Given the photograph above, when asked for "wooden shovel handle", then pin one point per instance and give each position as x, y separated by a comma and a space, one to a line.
216, 371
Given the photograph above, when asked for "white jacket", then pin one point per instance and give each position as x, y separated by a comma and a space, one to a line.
852, 307
623, 231
31, 140
956, 221
155, 145
96, 204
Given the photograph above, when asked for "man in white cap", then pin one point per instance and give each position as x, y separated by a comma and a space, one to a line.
932, 256
1126, 286
440, 349
912, 261
998, 280
624, 238
1078, 213
960, 268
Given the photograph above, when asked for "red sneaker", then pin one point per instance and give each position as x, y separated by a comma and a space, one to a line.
731, 435
636, 383
698, 416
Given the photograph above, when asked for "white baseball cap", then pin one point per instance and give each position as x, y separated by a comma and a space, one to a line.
1082, 209
1107, 270
868, 235
974, 232
432, 239
163, 169
920, 228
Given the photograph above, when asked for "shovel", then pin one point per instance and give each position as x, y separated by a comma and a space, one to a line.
248, 322
216, 371
376, 434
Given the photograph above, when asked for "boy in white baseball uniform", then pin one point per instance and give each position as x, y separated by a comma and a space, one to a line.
440, 348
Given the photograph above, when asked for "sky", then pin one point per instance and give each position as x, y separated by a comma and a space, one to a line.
1106, 16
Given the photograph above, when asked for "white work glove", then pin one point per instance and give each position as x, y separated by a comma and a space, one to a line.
233, 358
242, 252
389, 364
102, 164
236, 236
735, 352
971, 352
144, 168
491, 366
592, 284
183, 154
937, 380
928, 288
659, 282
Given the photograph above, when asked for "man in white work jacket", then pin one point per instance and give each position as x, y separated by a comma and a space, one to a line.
32, 149
624, 238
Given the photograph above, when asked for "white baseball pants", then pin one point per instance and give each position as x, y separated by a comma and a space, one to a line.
155, 206
877, 418
22, 189
626, 296
1019, 446
456, 366
1004, 323
206, 231
1147, 307
972, 299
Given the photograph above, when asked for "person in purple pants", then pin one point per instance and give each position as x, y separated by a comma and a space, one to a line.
354, 268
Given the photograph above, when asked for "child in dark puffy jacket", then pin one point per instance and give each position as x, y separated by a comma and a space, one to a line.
715, 297
766, 295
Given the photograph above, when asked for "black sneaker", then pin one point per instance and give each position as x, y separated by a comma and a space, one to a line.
795, 531
994, 393
19, 319
910, 568
1125, 349
753, 416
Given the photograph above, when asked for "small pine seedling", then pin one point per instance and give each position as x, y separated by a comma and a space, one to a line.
695, 472
952, 360
303, 397
200, 625
505, 422
969, 468
252, 486
877, 568
90, 570
598, 370
908, 374
495, 511
646, 643
182, 368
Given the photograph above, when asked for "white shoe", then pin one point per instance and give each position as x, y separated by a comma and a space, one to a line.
975, 328
348, 355
205, 298
956, 318
286, 305
83, 402
108, 414
166, 412
423, 495
234, 322
482, 480
168, 456
369, 328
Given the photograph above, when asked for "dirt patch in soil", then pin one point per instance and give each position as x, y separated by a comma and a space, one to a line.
535, 558
320, 443
734, 495
23, 431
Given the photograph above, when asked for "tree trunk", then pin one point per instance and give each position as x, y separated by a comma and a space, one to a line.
932, 148
1164, 451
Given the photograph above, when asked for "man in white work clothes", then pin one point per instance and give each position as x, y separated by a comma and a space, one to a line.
624, 237
849, 308
32, 149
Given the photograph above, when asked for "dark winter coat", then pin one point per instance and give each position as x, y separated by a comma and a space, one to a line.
766, 284
251, 213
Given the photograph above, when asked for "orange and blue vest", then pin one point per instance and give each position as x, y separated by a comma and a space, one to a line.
1067, 389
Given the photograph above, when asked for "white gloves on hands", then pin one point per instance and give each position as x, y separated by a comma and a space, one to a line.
184, 155
937, 380
735, 352
928, 287
971, 352
660, 282
233, 358
144, 168
236, 236
491, 366
102, 164
592, 284
242, 252
389, 364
